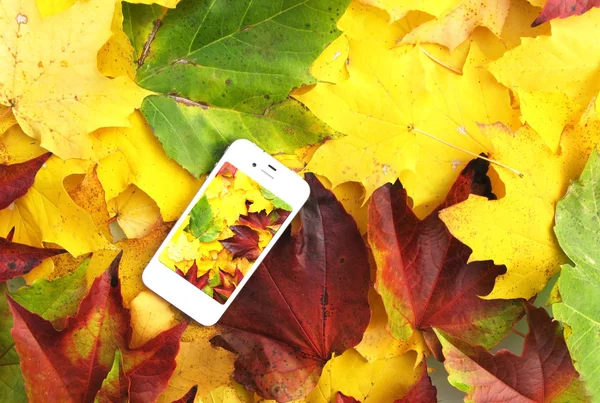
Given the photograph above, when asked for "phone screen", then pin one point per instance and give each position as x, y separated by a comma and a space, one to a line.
225, 232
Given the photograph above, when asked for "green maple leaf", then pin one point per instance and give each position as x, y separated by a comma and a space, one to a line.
224, 70
578, 232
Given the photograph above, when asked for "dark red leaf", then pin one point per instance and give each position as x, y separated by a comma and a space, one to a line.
150, 366
17, 259
543, 373
421, 392
189, 397
258, 220
244, 243
423, 274
306, 301
16, 179
192, 276
563, 9
342, 398
70, 365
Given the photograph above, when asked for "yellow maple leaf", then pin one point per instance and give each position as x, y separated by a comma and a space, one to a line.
50, 78
457, 23
89, 195
555, 76
136, 255
199, 363
135, 212
17, 147
517, 230
390, 107
247, 186
134, 156
398, 9
150, 315
116, 56
368, 382
47, 213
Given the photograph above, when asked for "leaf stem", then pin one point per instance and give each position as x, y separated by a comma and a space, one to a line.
436, 60
6, 112
518, 333
491, 161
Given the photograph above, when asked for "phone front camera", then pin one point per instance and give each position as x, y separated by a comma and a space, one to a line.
254, 164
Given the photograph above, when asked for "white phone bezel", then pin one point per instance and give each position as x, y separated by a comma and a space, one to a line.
282, 182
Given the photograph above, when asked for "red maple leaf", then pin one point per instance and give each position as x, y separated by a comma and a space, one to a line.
16, 179
306, 301
563, 9
258, 220
244, 243
17, 259
192, 276
423, 274
69, 365
543, 372
422, 391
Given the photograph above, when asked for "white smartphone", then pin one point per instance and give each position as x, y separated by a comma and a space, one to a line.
231, 224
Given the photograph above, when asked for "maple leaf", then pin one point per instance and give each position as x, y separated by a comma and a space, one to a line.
577, 232
542, 373
457, 23
150, 315
244, 243
16, 179
262, 220
59, 112
135, 212
421, 392
258, 220
192, 276
316, 285
150, 366
390, 107
99, 328
423, 275
36, 338
57, 299
563, 9
518, 227
124, 160
65, 223
136, 255
554, 92
17, 259
200, 364
367, 381
271, 49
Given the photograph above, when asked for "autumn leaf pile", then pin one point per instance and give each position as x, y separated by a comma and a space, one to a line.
450, 147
